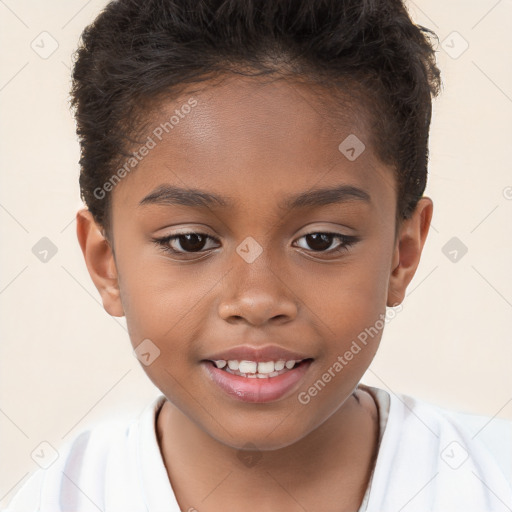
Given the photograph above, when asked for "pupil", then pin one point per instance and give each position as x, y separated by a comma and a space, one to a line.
319, 241
191, 242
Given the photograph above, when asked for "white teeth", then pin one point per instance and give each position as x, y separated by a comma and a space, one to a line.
233, 365
279, 365
253, 369
247, 367
267, 367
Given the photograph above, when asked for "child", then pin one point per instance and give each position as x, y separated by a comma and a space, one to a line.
254, 175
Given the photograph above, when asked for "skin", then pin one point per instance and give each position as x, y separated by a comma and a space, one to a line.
258, 143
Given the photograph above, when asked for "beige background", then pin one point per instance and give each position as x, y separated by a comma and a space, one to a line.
66, 364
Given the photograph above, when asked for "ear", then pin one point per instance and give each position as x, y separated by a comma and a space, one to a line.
100, 261
406, 255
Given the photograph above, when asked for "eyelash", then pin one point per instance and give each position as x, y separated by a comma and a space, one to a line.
346, 242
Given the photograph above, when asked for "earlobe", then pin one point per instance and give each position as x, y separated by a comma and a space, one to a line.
407, 253
100, 261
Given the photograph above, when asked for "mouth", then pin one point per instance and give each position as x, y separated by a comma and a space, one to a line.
257, 382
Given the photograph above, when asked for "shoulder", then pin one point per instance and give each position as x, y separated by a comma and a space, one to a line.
459, 461
480, 433
88, 469
495, 434
71, 476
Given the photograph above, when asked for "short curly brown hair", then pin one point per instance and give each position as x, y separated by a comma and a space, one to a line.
137, 50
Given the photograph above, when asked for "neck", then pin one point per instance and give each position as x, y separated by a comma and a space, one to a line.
328, 469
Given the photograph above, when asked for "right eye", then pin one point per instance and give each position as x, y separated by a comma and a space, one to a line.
190, 243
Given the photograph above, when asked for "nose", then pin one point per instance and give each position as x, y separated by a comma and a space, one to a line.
257, 294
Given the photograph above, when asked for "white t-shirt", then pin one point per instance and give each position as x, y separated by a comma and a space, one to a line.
429, 459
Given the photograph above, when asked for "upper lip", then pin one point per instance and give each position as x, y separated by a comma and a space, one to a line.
257, 354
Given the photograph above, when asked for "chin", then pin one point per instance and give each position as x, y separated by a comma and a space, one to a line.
267, 437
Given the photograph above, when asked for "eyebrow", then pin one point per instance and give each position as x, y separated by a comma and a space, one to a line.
172, 195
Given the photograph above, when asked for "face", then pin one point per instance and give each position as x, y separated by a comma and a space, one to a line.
261, 264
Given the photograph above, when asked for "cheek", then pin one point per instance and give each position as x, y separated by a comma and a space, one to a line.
350, 307
162, 314
158, 297
350, 297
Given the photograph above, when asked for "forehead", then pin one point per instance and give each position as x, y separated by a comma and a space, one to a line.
247, 139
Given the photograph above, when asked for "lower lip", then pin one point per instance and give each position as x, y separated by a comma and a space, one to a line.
257, 390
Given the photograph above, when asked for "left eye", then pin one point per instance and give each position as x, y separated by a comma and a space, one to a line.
191, 243
320, 241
